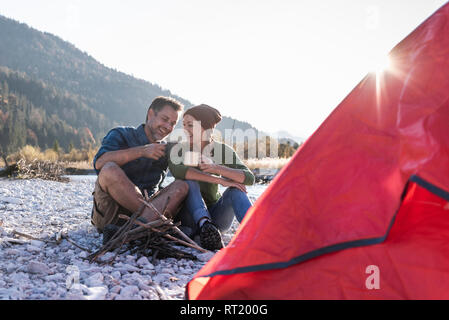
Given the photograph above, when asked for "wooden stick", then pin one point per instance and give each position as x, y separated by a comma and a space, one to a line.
31, 237
145, 225
50, 241
76, 245
151, 206
190, 243
182, 234
117, 237
186, 243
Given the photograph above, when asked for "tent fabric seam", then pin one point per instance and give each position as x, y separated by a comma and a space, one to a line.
335, 247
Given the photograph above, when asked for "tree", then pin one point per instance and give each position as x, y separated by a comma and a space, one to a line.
3, 155
56, 147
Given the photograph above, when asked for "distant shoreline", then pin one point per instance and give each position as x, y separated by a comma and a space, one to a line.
262, 175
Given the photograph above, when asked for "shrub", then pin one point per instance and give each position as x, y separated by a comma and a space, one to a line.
76, 155
28, 153
51, 155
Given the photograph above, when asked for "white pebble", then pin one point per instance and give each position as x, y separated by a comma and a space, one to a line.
97, 293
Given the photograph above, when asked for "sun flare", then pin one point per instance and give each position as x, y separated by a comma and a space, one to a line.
381, 64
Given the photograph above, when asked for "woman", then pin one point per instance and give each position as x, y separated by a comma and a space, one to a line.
206, 211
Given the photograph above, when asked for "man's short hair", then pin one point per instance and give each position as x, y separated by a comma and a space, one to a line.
161, 102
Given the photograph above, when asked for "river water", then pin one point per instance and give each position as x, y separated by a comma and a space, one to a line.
254, 192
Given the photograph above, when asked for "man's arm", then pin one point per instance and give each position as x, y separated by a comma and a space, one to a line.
121, 157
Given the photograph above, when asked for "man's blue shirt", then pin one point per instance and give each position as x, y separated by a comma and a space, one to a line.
143, 172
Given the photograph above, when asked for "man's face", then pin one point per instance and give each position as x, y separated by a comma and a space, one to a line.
159, 125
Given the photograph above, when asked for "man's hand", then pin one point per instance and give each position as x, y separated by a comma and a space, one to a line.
232, 184
120, 157
153, 151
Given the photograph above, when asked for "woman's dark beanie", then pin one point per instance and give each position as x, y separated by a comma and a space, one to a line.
208, 116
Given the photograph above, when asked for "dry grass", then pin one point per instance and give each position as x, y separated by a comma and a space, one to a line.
80, 159
83, 159
83, 165
30, 162
77, 155
266, 163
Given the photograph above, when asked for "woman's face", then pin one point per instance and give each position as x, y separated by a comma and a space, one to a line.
191, 129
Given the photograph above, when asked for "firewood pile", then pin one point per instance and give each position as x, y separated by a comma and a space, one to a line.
159, 239
46, 170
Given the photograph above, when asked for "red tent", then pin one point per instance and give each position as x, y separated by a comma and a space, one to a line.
361, 211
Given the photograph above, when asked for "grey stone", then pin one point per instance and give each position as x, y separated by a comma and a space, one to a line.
128, 293
35, 267
143, 261
33, 249
204, 257
96, 280
37, 243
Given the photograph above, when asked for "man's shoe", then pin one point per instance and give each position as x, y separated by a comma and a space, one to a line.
109, 231
210, 237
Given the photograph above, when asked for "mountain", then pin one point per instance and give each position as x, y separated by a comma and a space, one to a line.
75, 95
286, 137
32, 112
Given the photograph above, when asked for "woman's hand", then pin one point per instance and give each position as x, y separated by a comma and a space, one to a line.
232, 184
207, 165
209, 168
206, 160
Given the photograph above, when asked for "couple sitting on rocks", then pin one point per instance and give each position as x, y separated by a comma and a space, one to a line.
134, 161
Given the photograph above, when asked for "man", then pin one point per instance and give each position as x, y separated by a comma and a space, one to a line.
131, 162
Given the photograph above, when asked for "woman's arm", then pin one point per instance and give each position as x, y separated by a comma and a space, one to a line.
230, 166
183, 172
236, 175
197, 175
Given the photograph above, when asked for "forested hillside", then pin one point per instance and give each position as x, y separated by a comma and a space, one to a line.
34, 113
53, 91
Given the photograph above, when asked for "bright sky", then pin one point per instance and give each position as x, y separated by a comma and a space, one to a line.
278, 64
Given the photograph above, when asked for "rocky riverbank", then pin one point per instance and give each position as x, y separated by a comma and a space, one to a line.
58, 213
